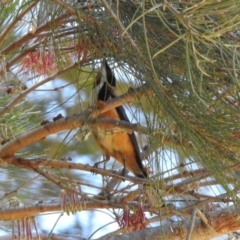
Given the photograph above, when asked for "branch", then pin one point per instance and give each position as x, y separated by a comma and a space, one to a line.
20, 42
169, 189
33, 164
24, 93
68, 123
4, 35
34, 47
2, 2
23, 212
221, 222
46, 237
173, 231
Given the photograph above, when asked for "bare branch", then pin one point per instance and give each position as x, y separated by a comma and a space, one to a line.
24, 93
33, 164
67, 123
15, 45
4, 35
223, 221
2, 2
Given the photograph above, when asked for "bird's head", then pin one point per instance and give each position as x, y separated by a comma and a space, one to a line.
105, 82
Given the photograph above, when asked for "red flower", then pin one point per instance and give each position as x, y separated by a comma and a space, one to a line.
36, 62
133, 221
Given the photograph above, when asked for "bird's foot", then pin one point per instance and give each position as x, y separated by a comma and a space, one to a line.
124, 173
96, 165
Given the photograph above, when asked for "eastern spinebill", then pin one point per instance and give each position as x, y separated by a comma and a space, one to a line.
116, 143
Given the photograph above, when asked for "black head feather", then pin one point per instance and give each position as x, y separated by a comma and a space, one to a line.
110, 76
105, 82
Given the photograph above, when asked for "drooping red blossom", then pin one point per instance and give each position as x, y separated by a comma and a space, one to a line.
36, 62
24, 228
149, 171
82, 49
70, 201
133, 221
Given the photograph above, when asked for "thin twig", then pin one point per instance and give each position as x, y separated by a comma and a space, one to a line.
32, 164
126, 34
18, 18
18, 43
193, 216
17, 99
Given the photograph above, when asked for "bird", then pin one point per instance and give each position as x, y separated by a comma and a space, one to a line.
115, 142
